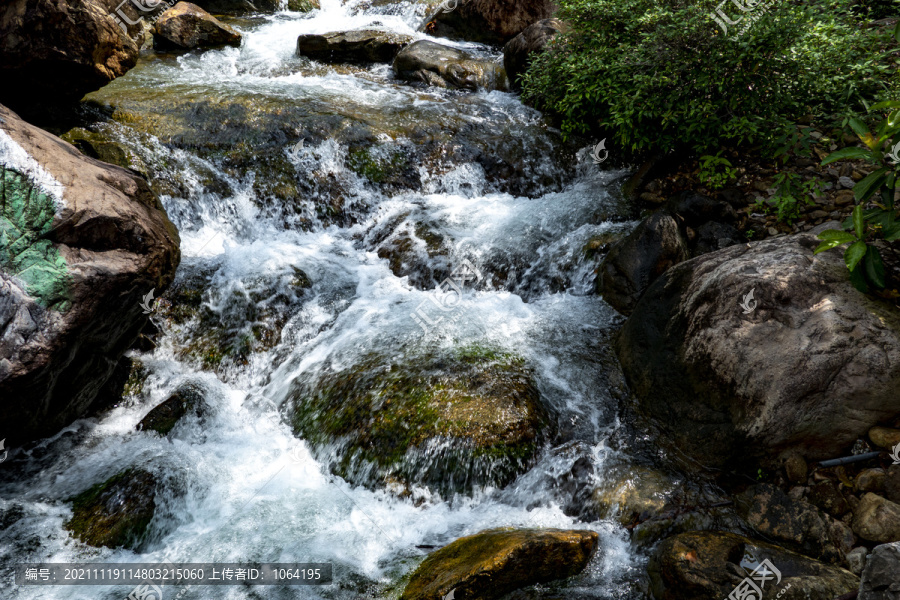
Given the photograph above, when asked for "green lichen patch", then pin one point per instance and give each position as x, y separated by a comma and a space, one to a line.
452, 420
26, 217
116, 512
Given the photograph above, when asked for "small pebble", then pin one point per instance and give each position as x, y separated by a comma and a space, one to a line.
846, 182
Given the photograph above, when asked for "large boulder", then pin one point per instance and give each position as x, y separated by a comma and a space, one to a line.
435, 64
492, 563
807, 363
451, 420
488, 21
81, 243
881, 577
710, 565
632, 264
186, 26
519, 51
363, 46
53, 52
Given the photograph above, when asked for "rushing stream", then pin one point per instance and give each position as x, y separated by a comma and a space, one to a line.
247, 488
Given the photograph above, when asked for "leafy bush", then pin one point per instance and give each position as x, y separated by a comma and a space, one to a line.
881, 222
710, 174
660, 74
791, 193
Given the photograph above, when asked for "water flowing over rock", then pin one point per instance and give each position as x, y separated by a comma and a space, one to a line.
704, 565
489, 21
489, 564
451, 421
519, 51
53, 52
443, 66
187, 26
364, 46
809, 363
84, 242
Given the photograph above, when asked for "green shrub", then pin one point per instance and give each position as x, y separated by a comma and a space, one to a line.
659, 75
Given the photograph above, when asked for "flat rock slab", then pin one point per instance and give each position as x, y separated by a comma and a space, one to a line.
492, 563
364, 46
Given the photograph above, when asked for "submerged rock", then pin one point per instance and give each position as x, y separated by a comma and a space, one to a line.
53, 52
115, 513
702, 565
186, 26
520, 51
82, 243
492, 563
163, 418
452, 421
808, 364
488, 21
369, 45
443, 66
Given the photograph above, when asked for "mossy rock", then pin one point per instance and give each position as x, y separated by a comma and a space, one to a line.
116, 512
99, 146
163, 418
451, 421
492, 563
303, 5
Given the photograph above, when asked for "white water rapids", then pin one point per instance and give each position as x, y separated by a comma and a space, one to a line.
249, 489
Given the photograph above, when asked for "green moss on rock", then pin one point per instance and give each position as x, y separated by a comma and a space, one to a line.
116, 512
451, 421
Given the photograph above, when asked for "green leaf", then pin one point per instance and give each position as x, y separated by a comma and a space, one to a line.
858, 279
887, 103
892, 234
847, 154
865, 188
859, 127
854, 254
859, 223
836, 235
874, 267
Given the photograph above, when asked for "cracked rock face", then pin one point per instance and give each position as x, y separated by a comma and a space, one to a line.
879, 579
81, 243
807, 363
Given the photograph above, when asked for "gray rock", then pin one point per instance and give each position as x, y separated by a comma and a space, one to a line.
443, 66
881, 577
93, 243
706, 370
364, 46
846, 182
856, 560
632, 264
877, 519
519, 51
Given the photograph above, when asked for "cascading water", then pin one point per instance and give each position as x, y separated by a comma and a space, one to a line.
325, 293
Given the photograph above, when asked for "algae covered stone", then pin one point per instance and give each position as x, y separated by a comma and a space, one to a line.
492, 563
452, 420
116, 512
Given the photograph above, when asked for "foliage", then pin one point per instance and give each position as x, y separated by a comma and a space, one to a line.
659, 75
881, 222
709, 173
790, 193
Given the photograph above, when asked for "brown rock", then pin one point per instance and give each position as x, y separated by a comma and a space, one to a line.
827, 496
877, 519
844, 197
795, 467
93, 242
884, 437
364, 46
489, 21
186, 26
870, 480
519, 51
492, 563
53, 52
892, 484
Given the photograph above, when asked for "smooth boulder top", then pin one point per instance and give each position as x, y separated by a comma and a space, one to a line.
187, 26
361, 46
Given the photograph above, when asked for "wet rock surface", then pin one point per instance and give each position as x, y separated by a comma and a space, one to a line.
163, 417
186, 26
363, 46
442, 66
489, 564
